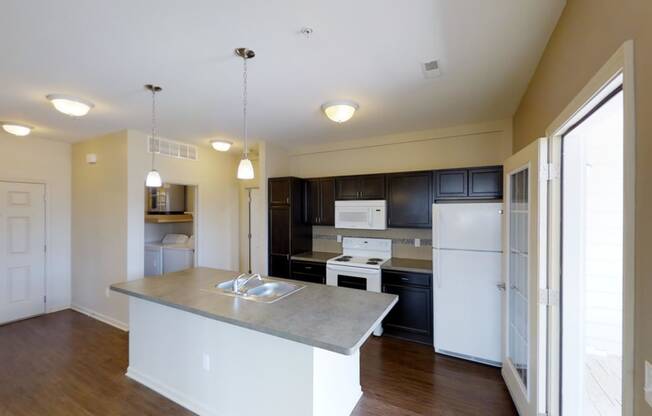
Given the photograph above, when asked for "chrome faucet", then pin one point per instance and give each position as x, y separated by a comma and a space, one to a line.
237, 286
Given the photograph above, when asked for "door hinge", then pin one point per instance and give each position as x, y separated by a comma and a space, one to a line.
550, 171
549, 297
45, 248
45, 299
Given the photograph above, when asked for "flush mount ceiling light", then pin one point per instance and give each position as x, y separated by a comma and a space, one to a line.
72, 106
339, 111
245, 168
153, 177
221, 145
16, 129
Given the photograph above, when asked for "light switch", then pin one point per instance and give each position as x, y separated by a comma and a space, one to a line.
648, 383
417, 242
339, 238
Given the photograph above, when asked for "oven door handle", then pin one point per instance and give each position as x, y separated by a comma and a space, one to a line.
351, 270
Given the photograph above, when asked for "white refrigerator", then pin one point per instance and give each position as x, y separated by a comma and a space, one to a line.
467, 273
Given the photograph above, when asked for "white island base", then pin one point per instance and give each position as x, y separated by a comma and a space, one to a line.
215, 368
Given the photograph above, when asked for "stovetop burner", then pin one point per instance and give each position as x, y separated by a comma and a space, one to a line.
343, 258
372, 262
375, 259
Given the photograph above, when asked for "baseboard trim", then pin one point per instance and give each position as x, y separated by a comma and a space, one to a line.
101, 317
57, 308
169, 392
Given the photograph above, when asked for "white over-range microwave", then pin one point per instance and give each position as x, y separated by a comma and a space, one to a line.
361, 215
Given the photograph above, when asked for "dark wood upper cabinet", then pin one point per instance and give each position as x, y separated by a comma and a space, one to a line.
321, 201
486, 182
451, 184
360, 187
347, 187
409, 200
279, 191
471, 183
372, 187
327, 216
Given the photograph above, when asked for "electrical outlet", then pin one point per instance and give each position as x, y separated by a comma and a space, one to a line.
339, 238
417, 242
206, 362
107, 293
648, 383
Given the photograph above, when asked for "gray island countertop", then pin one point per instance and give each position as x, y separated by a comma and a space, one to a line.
332, 318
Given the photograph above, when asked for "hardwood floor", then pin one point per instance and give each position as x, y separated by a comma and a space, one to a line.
66, 363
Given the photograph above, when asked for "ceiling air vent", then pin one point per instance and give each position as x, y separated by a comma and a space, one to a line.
431, 69
170, 148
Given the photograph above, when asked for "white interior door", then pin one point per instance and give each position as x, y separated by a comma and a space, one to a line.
524, 263
22, 250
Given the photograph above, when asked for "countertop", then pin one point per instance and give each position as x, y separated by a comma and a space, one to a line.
328, 317
408, 265
315, 256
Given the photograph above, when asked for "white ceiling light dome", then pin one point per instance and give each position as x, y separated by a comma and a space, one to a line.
69, 105
16, 129
221, 145
340, 111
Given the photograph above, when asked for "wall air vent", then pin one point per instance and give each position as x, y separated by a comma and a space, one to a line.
431, 69
170, 148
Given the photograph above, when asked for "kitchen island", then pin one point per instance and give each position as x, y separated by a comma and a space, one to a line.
226, 355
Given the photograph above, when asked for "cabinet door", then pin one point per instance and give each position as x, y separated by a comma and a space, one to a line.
486, 182
279, 266
279, 191
347, 187
327, 215
409, 200
279, 230
411, 317
372, 187
314, 201
451, 184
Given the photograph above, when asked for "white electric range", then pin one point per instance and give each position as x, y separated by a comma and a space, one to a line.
359, 265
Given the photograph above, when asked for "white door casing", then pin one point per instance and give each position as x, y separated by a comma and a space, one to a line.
524, 265
22, 250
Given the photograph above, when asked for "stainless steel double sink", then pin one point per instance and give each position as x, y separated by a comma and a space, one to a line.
259, 289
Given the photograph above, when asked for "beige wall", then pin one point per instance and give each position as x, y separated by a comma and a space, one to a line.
588, 33
471, 145
30, 159
217, 216
99, 226
109, 215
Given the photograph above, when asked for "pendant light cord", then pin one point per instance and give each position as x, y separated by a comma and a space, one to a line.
244, 106
153, 138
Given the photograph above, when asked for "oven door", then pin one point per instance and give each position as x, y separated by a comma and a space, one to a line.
353, 277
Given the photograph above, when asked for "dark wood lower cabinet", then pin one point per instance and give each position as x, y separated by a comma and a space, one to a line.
307, 271
279, 265
412, 316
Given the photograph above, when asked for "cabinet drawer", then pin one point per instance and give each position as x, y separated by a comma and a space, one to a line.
407, 278
310, 278
309, 268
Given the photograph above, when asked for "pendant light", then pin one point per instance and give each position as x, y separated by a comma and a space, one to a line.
153, 177
245, 168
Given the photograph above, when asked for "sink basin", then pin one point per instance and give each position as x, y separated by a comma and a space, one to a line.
259, 290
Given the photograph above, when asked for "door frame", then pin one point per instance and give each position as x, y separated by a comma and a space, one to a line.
46, 239
620, 64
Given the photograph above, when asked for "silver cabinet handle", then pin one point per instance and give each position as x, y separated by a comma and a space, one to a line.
308, 267
500, 286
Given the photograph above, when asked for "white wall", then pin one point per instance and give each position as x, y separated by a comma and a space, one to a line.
31, 159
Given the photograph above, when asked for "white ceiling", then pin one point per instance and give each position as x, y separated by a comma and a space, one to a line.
364, 50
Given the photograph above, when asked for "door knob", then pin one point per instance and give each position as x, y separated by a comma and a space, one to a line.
500, 286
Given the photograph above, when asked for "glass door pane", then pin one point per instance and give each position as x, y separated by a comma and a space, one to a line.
519, 220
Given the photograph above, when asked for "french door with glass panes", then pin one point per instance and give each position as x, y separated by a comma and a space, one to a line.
524, 266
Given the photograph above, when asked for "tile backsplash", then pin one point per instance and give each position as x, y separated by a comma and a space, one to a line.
325, 239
